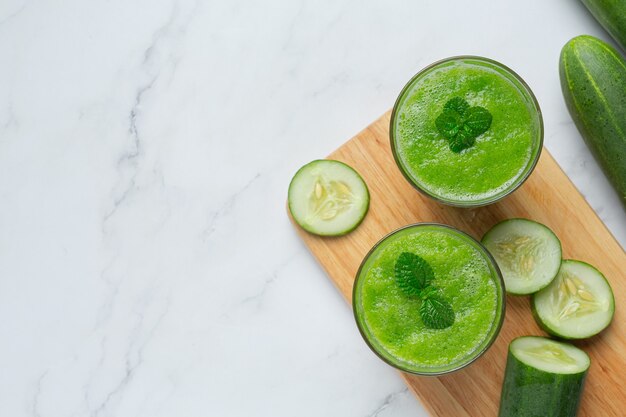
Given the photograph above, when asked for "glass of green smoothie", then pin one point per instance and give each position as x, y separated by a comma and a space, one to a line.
428, 299
466, 131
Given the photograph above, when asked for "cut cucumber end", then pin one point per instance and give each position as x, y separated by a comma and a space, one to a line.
549, 355
543, 377
328, 198
578, 304
527, 253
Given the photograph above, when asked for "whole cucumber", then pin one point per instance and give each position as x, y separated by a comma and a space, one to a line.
612, 16
593, 80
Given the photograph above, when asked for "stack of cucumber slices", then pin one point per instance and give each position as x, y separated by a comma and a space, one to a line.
569, 299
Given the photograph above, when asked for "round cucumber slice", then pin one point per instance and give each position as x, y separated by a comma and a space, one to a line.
579, 303
528, 254
543, 378
328, 198
549, 355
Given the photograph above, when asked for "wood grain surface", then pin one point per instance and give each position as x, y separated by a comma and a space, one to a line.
548, 197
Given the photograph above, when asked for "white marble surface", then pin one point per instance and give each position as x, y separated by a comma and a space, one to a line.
147, 267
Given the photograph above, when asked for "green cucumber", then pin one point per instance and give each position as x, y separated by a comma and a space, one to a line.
542, 378
612, 16
527, 253
328, 198
593, 80
578, 304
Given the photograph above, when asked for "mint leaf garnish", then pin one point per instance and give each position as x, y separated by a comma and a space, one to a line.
413, 273
414, 277
478, 120
462, 140
458, 105
448, 123
436, 312
428, 292
462, 124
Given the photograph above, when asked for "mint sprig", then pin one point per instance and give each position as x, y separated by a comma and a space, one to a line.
462, 124
414, 276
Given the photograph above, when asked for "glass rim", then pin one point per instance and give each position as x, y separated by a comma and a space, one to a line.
520, 180
501, 292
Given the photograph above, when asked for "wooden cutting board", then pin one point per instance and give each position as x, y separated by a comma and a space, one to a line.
548, 197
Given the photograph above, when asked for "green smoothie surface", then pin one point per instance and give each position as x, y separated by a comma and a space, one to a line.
500, 157
390, 320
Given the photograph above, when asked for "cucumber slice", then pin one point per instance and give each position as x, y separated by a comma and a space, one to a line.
579, 303
528, 254
543, 378
328, 198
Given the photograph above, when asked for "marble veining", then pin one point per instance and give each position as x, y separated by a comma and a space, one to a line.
147, 266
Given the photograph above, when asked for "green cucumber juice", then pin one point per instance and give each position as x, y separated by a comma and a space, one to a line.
464, 274
499, 160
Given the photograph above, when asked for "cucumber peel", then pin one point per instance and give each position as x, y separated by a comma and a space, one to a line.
593, 76
612, 16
